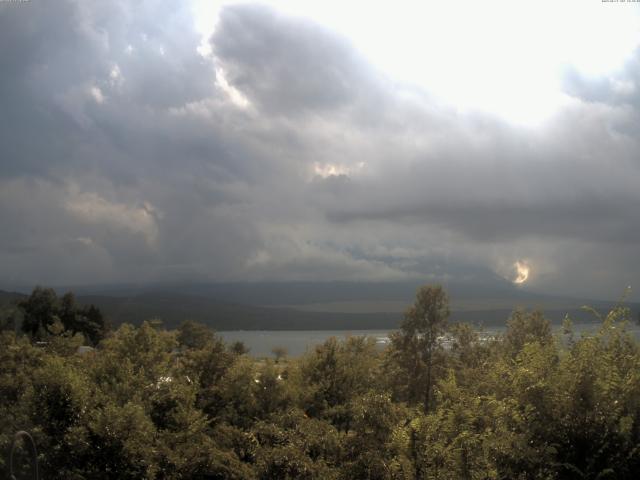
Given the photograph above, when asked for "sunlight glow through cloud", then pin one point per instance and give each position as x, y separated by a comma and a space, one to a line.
326, 170
235, 95
522, 272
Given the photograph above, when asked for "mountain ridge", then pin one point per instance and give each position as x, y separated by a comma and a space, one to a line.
242, 306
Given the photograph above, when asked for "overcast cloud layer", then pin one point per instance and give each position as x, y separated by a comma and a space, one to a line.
127, 155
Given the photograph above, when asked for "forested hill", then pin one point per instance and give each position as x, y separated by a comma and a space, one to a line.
10, 297
173, 308
304, 310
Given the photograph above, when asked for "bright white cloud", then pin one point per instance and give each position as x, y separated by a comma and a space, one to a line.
97, 94
115, 76
500, 57
326, 170
235, 95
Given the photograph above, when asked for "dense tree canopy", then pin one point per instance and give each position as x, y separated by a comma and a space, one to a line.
151, 403
46, 315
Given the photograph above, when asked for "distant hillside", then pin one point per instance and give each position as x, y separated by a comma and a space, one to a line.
10, 297
318, 306
173, 308
489, 292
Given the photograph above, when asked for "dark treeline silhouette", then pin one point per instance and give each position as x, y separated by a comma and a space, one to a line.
440, 402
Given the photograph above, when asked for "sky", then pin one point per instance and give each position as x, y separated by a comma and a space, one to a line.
155, 141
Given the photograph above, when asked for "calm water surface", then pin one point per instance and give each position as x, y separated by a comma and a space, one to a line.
261, 342
297, 342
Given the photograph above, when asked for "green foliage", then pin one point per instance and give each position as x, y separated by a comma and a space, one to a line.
19, 360
523, 328
415, 353
334, 374
272, 392
194, 335
292, 445
279, 353
239, 348
46, 316
39, 312
369, 451
10, 317
119, 443
441, 402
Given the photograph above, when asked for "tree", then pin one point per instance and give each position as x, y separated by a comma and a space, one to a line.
10, 316
194, 335
87, 320
47, 315
369, 452
415, 347
239, 348
526, 327
272, 393
334, 374
279, 353
92, 324
40, 312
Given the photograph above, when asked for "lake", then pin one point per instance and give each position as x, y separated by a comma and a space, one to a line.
261, 342
297, 342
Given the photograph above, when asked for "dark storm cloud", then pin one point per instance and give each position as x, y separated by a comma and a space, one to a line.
63, 57
125, 155
577, 182
287, 65
599, 220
